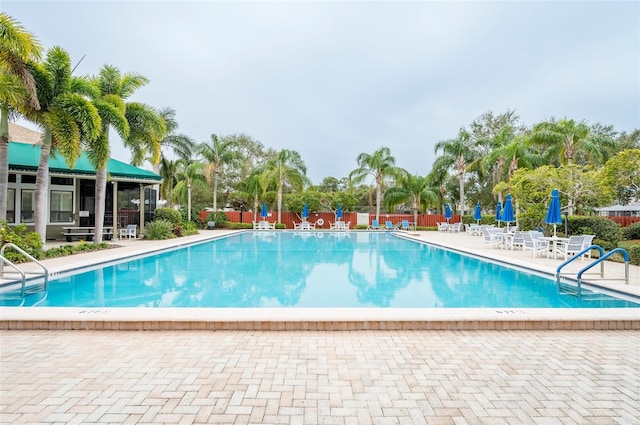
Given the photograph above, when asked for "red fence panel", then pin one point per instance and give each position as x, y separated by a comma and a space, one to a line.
624, 221
327, 217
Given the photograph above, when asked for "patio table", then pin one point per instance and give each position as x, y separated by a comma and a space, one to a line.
554, 240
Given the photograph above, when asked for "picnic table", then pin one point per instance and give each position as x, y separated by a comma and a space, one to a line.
86, 233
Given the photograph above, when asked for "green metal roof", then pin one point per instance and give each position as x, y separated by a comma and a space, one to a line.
25, 157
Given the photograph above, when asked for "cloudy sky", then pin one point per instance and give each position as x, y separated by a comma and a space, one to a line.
334, 79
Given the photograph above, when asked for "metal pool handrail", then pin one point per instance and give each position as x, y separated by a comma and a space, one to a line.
4, 260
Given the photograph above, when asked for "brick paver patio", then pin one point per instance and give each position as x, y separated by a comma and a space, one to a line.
358, 377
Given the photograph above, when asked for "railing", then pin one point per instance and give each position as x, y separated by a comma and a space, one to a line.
22, 273
599, 260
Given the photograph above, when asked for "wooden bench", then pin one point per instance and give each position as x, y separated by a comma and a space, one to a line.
86, 233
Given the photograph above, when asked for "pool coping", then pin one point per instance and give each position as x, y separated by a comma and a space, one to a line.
280, 319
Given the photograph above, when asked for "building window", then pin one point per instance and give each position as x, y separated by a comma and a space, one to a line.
27, 178
26, 206
11, 205
61, 205
61, 181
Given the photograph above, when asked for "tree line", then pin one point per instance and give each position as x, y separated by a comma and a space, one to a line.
591, 165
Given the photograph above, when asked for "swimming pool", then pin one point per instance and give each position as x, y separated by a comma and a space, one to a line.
309, 269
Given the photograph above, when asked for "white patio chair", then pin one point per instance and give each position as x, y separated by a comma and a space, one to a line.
516, 241
129, 231
574, 245
534, 244
492, 238
588, 241
455, 227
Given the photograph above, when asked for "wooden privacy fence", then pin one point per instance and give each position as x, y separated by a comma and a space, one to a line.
625, 221
288, 218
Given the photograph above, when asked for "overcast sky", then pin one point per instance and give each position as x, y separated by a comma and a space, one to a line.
334, 79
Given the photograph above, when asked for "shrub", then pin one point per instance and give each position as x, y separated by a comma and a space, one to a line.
62, 251
189, 228
633, 248
602, 227
18, 235
486, 219
159, 229
219, 217
631, 232
169, 214
195, 215
231, 225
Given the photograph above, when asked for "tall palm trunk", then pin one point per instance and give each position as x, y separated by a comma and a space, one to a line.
256, 202
189, 201
215, 191
101, 198
461, 183
4, 159
378, 196
42, 187
280, 199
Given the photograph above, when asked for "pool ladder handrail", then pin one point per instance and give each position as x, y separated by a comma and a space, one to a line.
599, 260
23, 275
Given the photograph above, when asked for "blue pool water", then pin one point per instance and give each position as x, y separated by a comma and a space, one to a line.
309, 269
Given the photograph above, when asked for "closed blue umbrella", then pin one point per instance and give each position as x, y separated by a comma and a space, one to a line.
447, 212
507, 211
339, 212
263, 213
554, 215
305, 212
477, 214
498, 212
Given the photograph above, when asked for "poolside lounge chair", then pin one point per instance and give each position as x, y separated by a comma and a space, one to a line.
534, 244
405, 225
129, 231
388, 225
574, 245
374, 225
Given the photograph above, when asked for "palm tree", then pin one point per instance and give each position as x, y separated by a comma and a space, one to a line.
189, 175
518, 153
381, 165
17, 87
146, 130
413, 189
168, 171
220, 153
286, 167
66, 116
182, 145
250, 189
564, 139
456, 154
112, 89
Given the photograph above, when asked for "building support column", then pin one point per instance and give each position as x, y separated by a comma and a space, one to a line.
141, 208
116, 220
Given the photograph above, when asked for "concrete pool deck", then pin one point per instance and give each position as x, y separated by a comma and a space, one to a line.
382, 377
328, 319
